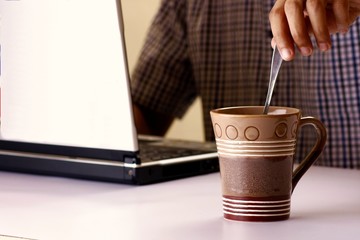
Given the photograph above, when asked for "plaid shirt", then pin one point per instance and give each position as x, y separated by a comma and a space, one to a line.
220, 51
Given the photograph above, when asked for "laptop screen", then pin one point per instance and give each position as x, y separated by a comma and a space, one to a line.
64, 77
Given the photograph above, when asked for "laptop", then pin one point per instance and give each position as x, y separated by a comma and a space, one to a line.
66, 105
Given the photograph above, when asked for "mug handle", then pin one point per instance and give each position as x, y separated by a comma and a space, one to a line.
315, 151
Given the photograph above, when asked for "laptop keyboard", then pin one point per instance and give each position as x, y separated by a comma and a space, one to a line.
150, 152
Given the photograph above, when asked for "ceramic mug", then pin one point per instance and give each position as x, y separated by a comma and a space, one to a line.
256, 154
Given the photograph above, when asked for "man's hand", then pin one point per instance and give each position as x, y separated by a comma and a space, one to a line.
293, 21
151, 123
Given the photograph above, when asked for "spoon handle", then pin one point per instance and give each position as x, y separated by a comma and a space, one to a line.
275, 67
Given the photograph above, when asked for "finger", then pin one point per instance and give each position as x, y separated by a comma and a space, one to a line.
294, 10
281, 32
316, 10
273, 43
340, 8
354, 13
331, 22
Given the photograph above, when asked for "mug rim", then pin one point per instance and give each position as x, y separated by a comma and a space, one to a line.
227, 111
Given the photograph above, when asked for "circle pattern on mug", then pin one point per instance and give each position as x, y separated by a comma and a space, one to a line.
231, 132
281, 130
293, 129
218, 131
251, 133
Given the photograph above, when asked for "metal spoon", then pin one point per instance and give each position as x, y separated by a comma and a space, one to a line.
275, 67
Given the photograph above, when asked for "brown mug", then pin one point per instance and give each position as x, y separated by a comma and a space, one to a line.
256, 153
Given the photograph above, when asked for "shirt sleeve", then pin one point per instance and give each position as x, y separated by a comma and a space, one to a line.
163, 79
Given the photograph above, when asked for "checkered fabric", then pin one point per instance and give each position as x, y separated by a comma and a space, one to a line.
220, 51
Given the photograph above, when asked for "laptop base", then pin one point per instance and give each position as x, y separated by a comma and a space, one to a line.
102, 170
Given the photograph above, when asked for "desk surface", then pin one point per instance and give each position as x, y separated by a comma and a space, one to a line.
325, 205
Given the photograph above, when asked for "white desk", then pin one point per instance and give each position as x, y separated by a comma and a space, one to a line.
325, 205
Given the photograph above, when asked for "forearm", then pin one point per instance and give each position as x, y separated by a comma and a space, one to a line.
150, 123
